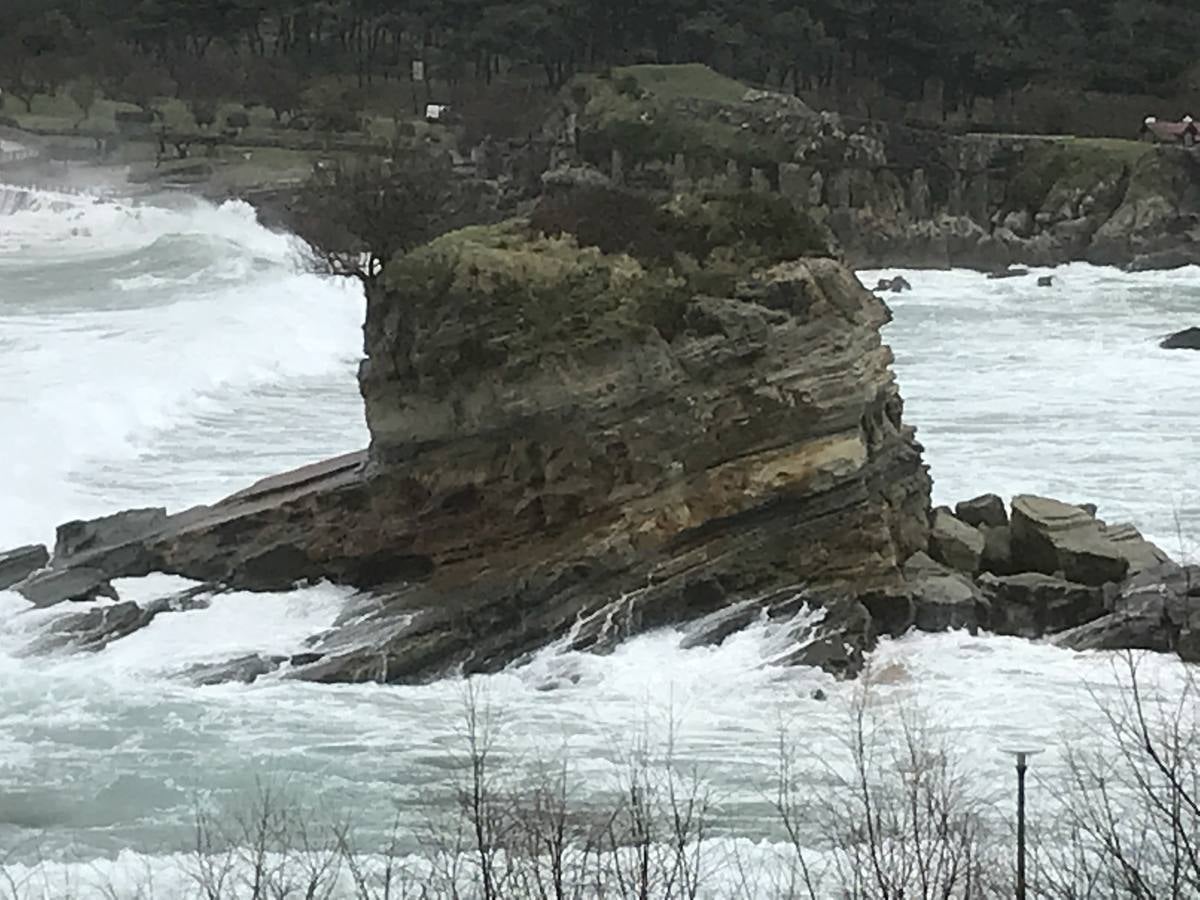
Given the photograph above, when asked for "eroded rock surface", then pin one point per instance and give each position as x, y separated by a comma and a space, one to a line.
564, 448
18, 564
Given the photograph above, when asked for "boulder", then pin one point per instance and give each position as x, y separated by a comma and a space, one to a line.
1032, 605
955, 543
895, 285
49, 587
1050, 537
17, 565
1012, 272
1140, 553
1188, 339
1046, 281
943, 599
1157, 609
997, 550
987, 509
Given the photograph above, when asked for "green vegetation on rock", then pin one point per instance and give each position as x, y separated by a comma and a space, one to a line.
643, 111
573, 278
1071, 164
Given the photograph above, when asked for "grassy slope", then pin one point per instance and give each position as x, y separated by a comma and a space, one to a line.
638, 110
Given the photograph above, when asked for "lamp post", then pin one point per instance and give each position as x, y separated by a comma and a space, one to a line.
1022, 757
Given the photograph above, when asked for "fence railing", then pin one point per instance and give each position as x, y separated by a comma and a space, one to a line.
21, 154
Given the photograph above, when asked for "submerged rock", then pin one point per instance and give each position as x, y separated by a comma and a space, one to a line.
243, 670
895, 285
18, 564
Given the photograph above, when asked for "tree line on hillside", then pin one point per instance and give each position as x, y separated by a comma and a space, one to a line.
262, 50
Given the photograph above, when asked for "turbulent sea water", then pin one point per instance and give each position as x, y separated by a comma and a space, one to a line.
170, 353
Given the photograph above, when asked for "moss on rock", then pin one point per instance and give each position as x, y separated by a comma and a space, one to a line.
643, 111
1070, 165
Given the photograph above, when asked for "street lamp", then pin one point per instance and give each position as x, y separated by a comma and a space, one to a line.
1022, 757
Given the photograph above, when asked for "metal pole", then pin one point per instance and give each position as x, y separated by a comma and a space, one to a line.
1021, 766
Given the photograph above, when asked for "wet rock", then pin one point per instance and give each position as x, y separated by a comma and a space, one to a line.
1049, 536
1188, 339
94, 629
1046, 281
1032, 605
893, 612
243, 670
304, 659
837, 644
49, 587
1157, 609
955, 543
997, 550
987, 509
895, 285
77, 538
714, 628
943, 599
17, 565
1008, 273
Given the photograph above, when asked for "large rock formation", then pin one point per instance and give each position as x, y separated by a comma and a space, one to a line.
572, 446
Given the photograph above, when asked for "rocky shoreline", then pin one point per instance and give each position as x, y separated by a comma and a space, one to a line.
569, 448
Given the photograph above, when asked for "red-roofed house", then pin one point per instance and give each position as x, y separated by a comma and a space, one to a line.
1185, 132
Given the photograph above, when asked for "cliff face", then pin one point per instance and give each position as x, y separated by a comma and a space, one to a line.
572, 461
897, 196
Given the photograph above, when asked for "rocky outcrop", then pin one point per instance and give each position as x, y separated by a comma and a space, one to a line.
1157, 609
569, 448
1157, 224
1051, 537
1032, 605
1188, 339
893, 195
18, 564
95, 628
1055, 572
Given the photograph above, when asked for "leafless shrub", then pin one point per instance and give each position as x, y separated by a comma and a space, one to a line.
1130, 802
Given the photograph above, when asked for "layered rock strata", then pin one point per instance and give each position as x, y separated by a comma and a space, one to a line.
566, 449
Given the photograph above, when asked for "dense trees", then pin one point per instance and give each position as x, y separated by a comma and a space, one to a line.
973, 48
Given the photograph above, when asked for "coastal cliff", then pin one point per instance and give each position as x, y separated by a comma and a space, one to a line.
889, 194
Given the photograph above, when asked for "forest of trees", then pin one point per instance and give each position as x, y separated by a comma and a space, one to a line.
200, 49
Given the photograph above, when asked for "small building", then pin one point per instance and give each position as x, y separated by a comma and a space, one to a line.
1185, 131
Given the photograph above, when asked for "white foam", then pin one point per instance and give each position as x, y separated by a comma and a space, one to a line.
1061, 391
95, 381
165, 385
